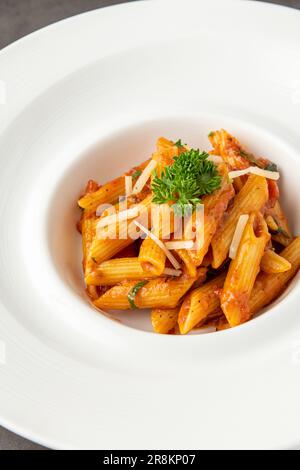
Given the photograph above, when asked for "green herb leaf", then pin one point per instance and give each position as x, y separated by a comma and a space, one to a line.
271, 167
136, 174
251, 159
211, 134
131, 295
190, 177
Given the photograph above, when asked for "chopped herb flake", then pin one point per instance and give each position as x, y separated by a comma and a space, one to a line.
131, 295
271, 167
136, 174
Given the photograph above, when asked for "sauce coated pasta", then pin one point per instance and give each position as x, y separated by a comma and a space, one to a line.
198, 237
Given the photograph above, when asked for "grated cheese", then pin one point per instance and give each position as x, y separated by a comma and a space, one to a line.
123, 215
254, 170
168, 254
240, 227
180, 244
142, 180
172, 272
271, 175
128, 185
215, 159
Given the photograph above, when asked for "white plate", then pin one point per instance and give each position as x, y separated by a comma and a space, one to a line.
87, 97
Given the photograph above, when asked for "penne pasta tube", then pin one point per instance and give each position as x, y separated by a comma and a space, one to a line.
88, 229
92, 292
88, 233
164, 156
252, 197
269, 286
273, 263
116, 270
187, 259
164, 319
152, 257
229, 148
109, 192
243, 270
156, 293
199, 304
106, 194
104, 249
278, 225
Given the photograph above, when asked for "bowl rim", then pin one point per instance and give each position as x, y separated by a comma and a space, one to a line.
29, 47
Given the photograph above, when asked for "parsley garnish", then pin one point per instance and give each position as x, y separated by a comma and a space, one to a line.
190, 177
136, 174
131, 295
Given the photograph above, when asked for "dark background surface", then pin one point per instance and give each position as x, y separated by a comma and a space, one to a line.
21, 17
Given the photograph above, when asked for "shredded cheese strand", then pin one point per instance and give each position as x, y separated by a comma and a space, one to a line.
239, 230
254, 170
168, 254
180, 244
123, 215
215, 159
142, 180
172, 272
128, 185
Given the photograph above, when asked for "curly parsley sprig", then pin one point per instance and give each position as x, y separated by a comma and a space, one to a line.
190, 177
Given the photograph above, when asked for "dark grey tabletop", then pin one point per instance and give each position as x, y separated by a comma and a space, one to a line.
18, 18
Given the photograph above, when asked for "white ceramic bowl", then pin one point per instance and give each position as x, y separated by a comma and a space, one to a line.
88, 97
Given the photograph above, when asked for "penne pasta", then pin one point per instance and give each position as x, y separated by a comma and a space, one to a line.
104, 249
164, 156
187, 259
92, 292
269, 286
151, 257
157, 293
88, 228
109, 192
279, 227
229, 148
164, 319
243, 270
199, 304
106, 194
150, 236
273, 263
116, 270
252, 197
